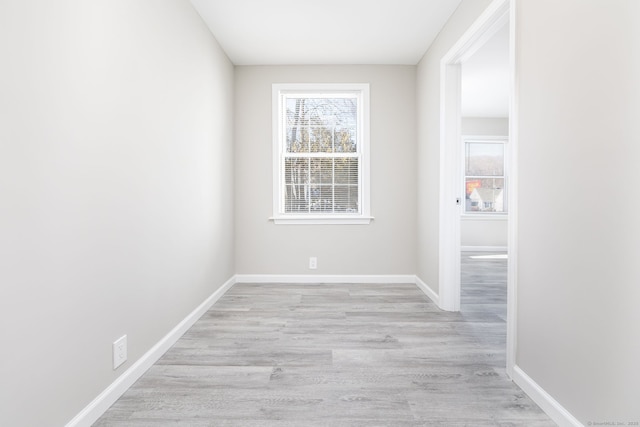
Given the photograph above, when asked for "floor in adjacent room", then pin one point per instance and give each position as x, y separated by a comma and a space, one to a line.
339, 355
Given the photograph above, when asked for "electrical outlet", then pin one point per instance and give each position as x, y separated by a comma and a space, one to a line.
313, 263
119, 351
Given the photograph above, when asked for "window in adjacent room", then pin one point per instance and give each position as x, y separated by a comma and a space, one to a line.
485, 175
321, 145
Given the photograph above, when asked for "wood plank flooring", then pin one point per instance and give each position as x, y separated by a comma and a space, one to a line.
338, 355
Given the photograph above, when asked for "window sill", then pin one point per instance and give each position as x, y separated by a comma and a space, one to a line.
321, 220
485, 217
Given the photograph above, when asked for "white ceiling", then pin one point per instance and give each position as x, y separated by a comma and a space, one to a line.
266, 32
485, 79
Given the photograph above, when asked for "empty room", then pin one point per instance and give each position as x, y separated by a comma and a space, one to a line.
304, 213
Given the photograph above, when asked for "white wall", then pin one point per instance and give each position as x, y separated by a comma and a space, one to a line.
485, 126
116, 190
428, 146
484, 231
578, 278
387, 245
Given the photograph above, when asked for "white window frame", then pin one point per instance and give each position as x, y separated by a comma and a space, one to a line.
280, 92
504, 140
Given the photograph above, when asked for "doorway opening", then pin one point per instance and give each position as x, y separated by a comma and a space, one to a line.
456, 202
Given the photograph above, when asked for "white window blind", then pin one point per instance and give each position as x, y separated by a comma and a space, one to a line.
320, 146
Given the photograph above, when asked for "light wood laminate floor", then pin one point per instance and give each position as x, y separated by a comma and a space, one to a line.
338, 355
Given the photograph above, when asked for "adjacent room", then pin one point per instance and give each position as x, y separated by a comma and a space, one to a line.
350, 213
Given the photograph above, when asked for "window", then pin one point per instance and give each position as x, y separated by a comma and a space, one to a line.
485, 175
321, 142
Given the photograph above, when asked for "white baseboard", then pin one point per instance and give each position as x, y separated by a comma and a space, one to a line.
317, 278
483, 248
108, 397
428, 291
548, 404
100, 404
115, 390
